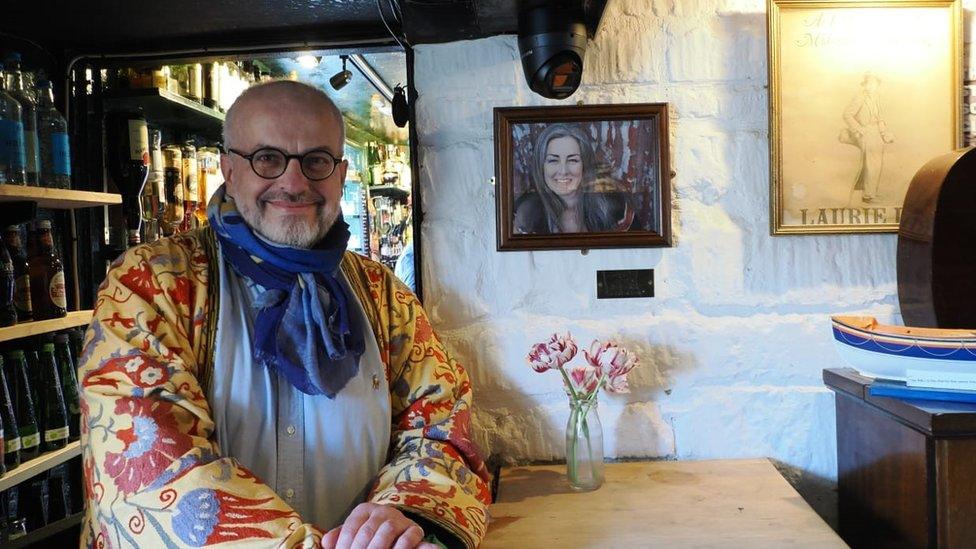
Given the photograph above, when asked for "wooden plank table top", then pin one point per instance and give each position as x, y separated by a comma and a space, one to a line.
721, 503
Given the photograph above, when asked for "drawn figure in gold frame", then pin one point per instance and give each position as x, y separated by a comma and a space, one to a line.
867, 130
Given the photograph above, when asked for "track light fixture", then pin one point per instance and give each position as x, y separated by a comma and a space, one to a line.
341, 78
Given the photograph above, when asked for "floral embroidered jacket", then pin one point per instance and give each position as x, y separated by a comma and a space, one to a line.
154, 476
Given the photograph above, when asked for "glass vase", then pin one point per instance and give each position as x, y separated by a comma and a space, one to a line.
584, 446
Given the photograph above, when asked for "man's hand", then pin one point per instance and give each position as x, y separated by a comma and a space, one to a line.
374, 526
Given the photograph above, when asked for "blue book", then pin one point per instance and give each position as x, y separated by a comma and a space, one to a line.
898, 389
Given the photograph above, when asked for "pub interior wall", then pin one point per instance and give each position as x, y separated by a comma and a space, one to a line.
733, 344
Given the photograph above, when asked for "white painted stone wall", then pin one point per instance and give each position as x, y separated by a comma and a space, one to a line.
734, 343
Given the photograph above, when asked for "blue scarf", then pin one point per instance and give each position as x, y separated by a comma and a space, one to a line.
292, 326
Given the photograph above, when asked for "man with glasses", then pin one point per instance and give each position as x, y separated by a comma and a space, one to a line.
253, 382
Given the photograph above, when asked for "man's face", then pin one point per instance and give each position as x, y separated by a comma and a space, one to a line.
291, 209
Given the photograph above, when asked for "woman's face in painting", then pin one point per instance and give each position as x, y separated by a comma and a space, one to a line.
563, 166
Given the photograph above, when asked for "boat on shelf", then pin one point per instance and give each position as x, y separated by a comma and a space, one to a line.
889, 352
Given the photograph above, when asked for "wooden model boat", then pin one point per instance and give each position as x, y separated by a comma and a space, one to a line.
888, 352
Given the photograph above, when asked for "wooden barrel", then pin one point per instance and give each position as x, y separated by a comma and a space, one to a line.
937, 244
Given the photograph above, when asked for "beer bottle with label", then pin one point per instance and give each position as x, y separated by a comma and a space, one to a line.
11, 438
47, 277
54, 412
24, 406
8, 314
69, 383
22, 295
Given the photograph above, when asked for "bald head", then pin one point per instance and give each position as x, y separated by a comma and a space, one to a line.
268, 97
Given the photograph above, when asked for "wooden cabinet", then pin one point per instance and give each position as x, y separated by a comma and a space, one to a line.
906, 469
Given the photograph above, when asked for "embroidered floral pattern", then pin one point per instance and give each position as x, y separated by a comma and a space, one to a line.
153, 477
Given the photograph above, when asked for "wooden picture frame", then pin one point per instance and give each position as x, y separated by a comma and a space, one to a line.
603, 181
862, 94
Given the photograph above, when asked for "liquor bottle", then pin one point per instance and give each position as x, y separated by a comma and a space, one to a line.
210, 179
25, 409
211, 85
152, 194
11, 439
128, 163
69, 383
47, 277
22, 293
52, 137
173, 189
195, 82
8, 313
191, 186
13, 155
17, 90
55, 415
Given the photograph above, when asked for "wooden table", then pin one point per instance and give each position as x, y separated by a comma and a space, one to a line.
906, 471
724, 503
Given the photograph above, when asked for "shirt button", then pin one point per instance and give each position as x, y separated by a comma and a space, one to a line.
290, 429
289, 493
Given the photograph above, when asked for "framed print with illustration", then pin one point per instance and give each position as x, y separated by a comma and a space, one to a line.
862, 95
579, 177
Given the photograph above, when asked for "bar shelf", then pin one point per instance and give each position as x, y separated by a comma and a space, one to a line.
169, 110
37, 327
38, 465
57, 199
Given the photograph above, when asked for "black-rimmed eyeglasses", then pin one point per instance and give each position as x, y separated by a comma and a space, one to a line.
270, 163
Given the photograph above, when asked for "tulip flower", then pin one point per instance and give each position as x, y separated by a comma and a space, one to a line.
584, 380
613, 361
552, 354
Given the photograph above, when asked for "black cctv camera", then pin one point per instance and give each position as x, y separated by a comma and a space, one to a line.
552, 40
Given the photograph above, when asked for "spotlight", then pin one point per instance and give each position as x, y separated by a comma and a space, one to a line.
341, 78
552, 40
401, 112
307, 61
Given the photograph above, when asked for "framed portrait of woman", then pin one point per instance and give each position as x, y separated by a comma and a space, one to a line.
862, 94
580, 177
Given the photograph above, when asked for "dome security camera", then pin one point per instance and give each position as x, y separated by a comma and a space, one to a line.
552, 41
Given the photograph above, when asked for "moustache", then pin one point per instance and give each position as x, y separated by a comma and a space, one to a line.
306, 197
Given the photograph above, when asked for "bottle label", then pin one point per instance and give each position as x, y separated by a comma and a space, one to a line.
22, 295
30, 441
12, 151
56, 290
11, 445
31, 151
54, 435
60, 154
139, 141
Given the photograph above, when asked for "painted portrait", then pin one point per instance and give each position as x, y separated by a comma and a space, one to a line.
582, 177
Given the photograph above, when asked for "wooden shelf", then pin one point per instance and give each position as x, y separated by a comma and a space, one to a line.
169, 110
27, 329
46, 532
39, 464
58, 199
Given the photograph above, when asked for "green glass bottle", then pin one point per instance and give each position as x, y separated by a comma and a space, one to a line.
69, 383
55, 414
11, 434
24, 411
77, 338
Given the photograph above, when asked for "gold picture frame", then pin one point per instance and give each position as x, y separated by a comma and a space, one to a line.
861, 95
